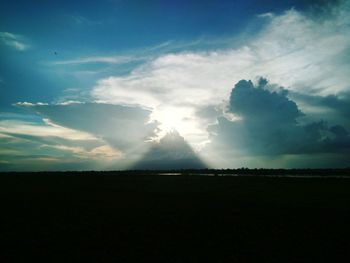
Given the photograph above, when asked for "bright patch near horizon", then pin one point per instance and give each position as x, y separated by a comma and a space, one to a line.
174, 118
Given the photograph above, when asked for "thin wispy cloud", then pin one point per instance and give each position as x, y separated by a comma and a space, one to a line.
98, 59
143, 54
82, 20
266, 15
47, 130
31, 145
14, 40
104, 152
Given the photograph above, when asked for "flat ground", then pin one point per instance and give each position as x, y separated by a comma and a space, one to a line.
122, 218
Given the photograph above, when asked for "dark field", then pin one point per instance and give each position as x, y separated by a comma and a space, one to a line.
106, 217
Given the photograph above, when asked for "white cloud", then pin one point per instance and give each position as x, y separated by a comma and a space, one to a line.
13, 40
100, 153
304, 54
99, 59
48, 130
266, 15
136, 55
48, 146
69, 102
28, 104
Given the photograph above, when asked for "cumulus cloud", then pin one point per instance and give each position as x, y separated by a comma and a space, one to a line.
13, 40
261, 105
268, 124
305, 53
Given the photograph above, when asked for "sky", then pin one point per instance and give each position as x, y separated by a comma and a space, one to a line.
105, 85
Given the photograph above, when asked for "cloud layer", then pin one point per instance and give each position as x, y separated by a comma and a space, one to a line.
121, 126
46, 146
307, 54
74, 134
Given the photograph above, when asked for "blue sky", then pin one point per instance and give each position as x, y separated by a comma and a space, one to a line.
155, 66
78, 29
77, 26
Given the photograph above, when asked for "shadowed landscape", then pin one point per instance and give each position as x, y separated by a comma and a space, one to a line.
176, 216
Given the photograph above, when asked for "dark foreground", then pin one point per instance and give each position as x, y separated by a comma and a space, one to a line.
75, 217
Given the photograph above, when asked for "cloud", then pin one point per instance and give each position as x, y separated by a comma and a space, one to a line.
50, 130
261, 105
266, 15
13, 40
268, 124
188, 91
101, 153
82, 20
124, 127
33, 146
132, 56
48, 146
99, 59
332, 107
306, 54
76, 135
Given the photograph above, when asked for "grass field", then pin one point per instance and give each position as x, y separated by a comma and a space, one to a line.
103, 217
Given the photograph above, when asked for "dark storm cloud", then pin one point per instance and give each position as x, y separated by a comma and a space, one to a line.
268, 124
260, 105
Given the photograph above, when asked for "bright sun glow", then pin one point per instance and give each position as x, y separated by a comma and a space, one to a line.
178, 119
